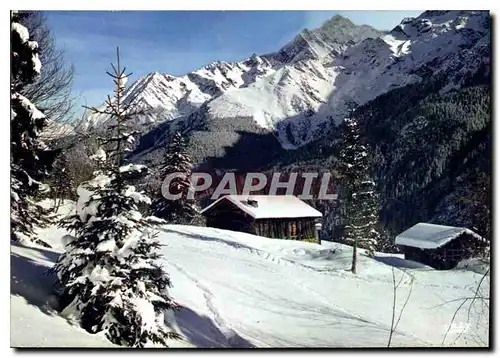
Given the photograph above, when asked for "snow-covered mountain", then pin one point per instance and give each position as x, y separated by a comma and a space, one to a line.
296, 91
329, 40
55, 130
299, 99
167, 97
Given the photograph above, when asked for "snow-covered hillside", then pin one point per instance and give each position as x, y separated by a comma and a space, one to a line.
275, 293
241, 290
316, 77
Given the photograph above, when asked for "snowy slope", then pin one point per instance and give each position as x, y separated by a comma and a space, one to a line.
56, 130
275, 293
241, 290
34, 323
432, 40
329, 40
291, 94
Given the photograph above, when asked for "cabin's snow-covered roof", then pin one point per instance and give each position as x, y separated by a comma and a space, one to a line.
431, 236
270, 206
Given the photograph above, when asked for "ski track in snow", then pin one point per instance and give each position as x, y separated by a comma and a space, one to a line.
221, 237
283, 261
351, 315
221, 323
277, 260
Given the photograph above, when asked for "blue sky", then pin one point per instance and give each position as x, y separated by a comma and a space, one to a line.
177, 42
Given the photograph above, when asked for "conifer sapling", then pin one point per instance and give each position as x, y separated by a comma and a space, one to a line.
176, 160
362, 203
109, 276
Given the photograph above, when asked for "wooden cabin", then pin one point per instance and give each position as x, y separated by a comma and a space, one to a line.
438, 246
273, 216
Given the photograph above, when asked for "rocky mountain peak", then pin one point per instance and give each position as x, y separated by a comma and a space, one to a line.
335, 23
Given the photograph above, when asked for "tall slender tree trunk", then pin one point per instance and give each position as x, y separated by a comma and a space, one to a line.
59, 201
354, 256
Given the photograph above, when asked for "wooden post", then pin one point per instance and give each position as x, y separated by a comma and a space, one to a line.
354, 257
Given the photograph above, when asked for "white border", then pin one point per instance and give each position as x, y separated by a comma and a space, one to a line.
250, 5
192, 5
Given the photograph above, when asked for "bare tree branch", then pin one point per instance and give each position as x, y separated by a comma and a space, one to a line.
51, 91
472, 300
395, 288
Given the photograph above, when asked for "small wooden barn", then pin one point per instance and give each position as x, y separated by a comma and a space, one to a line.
273, 216
438, 246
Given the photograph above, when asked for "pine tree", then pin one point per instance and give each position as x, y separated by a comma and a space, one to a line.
109, 277
176, 160
386, 242
62, 184
361, 197
30, 157
478, 200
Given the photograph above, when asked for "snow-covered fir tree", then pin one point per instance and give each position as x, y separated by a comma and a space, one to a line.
30, 157
361, 197
176, 160
109, 278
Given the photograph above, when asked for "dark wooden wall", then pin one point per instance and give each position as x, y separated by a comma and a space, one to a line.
228, 216
286, 228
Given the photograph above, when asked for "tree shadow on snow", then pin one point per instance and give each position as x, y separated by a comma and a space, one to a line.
203, 333
400, 263
206, 238
29, 280
48, 254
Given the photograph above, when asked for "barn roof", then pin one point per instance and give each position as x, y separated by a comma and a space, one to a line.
431, 236
270, 206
